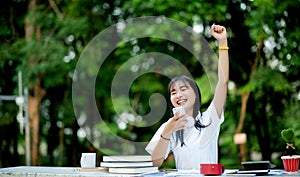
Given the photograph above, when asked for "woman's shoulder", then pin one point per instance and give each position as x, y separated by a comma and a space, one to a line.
211, 107
211, 113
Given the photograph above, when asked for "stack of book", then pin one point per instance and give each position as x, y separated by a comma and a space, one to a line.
128, 164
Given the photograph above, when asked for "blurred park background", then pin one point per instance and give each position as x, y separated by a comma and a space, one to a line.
41, 42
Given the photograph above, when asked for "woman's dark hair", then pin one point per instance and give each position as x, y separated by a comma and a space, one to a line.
185, 79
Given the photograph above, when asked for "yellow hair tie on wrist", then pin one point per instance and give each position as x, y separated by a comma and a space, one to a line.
223, 48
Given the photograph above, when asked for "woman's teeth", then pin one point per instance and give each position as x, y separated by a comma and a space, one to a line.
181, 101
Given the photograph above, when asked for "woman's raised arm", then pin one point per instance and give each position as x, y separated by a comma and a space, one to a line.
219, 32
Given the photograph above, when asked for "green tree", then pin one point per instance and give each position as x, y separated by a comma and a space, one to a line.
264, 69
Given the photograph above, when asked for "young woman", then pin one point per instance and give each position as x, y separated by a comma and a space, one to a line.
196, 143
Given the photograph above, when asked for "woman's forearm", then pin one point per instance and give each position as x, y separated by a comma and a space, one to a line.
159, 152
223, 76
223, 66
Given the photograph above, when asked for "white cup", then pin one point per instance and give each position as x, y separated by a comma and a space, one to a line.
88, 160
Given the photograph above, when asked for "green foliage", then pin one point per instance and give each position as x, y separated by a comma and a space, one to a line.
261, 19
205, 88
7, 117
273, 102
288, 135
266, 77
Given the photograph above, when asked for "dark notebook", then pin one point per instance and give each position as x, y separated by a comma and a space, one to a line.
255, 167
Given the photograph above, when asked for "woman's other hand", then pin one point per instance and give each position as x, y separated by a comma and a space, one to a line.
175, 123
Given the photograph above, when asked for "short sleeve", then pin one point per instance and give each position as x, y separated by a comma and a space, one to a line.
210, 117
153, 142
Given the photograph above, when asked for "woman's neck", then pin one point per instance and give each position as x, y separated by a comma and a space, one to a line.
190, 112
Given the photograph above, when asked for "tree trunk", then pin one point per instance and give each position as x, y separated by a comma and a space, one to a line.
34, 102
36, 92
74, 152
245, 98
242, 147
262, 131
61, 145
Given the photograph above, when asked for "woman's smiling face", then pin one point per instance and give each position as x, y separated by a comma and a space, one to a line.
182, 94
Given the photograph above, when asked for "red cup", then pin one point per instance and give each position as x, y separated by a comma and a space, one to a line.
290, 163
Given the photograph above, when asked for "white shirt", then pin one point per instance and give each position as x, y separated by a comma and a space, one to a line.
200, 146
